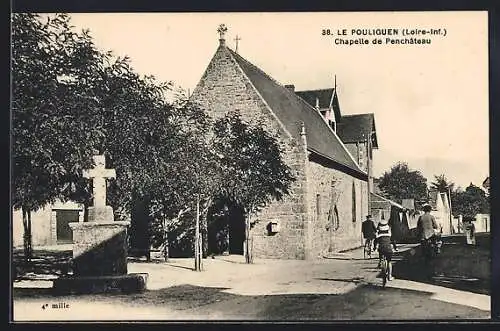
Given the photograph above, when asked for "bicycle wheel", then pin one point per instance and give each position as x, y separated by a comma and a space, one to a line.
384, 271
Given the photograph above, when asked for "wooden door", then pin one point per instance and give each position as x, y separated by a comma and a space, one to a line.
63, 218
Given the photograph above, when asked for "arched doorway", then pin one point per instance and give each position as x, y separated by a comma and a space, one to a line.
226, 229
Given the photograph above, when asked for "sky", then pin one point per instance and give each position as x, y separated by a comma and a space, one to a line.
430, 101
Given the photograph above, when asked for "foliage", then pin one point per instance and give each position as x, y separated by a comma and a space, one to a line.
53, 102
70, 100
252, 160
470, 202
51, 105
255, 173
403, 183
228, 160
441, 184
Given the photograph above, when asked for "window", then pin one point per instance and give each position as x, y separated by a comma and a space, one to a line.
354, 201
318, 205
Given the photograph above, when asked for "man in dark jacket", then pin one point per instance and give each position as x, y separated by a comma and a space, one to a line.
369, 231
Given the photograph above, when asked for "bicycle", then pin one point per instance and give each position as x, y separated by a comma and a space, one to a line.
367, 251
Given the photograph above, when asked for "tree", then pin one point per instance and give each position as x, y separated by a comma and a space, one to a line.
441, 184
52, 103
70, 100
403, 183
255, 171
470, 202
232, 161
186, 182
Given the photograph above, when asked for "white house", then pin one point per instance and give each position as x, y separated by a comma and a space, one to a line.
482, 223
49, 225
442, 212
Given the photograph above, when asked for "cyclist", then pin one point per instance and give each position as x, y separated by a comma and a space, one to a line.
369, 232
385, 245
426, 227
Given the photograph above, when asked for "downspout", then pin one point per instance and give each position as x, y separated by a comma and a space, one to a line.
306, 198
369, 171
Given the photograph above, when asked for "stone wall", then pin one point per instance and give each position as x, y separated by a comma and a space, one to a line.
329, 188
225, 88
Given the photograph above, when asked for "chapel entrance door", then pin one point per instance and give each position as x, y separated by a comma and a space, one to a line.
64, 232
226, 229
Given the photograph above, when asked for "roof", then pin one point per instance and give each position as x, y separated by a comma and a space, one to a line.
433, 198
486, 183
292, 111
327, 98
336, 106
379, 202
355, 128
324, 97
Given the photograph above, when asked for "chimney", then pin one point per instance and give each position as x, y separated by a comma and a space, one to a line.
290, 87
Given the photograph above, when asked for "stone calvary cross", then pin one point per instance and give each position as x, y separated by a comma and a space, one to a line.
99, 174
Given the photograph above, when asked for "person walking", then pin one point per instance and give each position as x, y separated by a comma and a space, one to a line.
369, 231
395, 224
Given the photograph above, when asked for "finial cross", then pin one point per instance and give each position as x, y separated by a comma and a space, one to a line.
222, 30
236, 40
99, 174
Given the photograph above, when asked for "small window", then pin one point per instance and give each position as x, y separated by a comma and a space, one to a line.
318, 205
354, 216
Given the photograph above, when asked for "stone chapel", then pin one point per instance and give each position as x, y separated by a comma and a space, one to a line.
330, 155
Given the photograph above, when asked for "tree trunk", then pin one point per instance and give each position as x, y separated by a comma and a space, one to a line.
85, 211
197, 244
166, 253
204, 235
248, 241
27, 242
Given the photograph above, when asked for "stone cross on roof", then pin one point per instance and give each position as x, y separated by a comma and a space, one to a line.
236, 40
99, 174
222, 31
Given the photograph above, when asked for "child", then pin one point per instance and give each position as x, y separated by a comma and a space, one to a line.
385, 245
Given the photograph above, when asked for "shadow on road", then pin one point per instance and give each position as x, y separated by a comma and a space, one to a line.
459, 266
44, 262
366, 302
355, 280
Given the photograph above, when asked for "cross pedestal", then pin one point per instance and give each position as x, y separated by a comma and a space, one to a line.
100, 246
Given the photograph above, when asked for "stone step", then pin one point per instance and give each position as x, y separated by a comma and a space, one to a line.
129, 283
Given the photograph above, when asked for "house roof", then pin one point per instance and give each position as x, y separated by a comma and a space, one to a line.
292, 111
354, 128
379, 202
434, 195
324, 97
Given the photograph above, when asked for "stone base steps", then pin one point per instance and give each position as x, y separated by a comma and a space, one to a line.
130, 283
